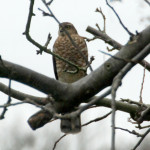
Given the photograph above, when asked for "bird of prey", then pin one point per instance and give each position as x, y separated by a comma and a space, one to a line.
65, 72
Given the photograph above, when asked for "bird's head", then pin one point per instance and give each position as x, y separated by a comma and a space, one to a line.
66, 26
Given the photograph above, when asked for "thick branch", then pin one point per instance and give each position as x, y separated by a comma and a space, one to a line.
22, 96
106, 102
31, 78
86, 87
103, 36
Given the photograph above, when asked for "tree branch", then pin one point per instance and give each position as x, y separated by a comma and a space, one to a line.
103, 36
22, 96
139, 142
86, 87
145, 64
70, 38
42, 48
131, 132
126, 29
2, 116
147, 2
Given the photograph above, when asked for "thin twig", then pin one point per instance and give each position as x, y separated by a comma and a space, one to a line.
12, 104
43, 48
142, 63
91, 59
22, 96
113, 106
94, 101
142, 127
126, 29
49, 37
97, 119
117, 82
72, 41
110, 49
49, 3
122, 73
121, 59
103, 36
142, 85
139, 142
98, 27
44, 13
131, 132
59, 141
89, 40
104, 18
2, 116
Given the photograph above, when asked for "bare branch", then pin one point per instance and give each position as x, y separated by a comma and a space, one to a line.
142, 127
131, 132
49, 37
103, 36
98, 27
139, 142
92, 59
42, 117
43, 48
126, 29
112, 42
147, 2
92, 102
44, 13
49, 3
69, 95
8, 102
22, 96
77, 112
97, 119
72, 41
59, 141
104, 18
116, 83
122, 73
113, 106
142, 86
12, 104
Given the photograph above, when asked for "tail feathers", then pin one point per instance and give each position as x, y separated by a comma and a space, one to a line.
71, 125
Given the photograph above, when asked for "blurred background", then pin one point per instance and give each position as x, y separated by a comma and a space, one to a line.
15, 134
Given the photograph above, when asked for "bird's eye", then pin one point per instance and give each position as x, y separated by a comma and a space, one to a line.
67, 27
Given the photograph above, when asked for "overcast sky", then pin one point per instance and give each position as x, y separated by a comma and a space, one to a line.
14, 47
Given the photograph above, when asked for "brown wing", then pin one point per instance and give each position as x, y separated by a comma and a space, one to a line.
54, 67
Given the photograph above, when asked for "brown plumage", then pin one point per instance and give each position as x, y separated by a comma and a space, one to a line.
63, 71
